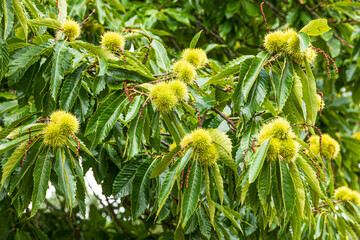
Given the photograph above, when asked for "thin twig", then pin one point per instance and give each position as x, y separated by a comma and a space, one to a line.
85, 20
157, 81
224, 117
162, 75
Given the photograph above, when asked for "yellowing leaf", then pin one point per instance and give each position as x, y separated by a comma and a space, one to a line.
316, 27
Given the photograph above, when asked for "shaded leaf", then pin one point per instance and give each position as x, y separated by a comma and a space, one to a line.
141, 187
287, 189
164, 162
123, 181
204, 223
41, 179
70, 88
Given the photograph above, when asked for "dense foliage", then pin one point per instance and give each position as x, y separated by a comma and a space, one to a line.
199, 119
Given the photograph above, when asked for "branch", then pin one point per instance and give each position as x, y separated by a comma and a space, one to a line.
165, 143
109, 209
224, 117
219, 88
326, 204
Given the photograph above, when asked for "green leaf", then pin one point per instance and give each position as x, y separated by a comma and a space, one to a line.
288, 189
227, 159
293, 109
14, 124
237, 96
60, 63
104, 105
134, 64
134, 108
296, 222
102, 67
41, 179
161, 55
257, 95
229, 216
116, 78
4, 58
70, 89
204, 223
312, 91
14, 160
195, 39
304, 41
171, 127
285, 83
66, 178
100, 9
62, 8
311, 178
23, 57
171, 176
299, 187
140, 188
7, 106
8, 19
309, 92
9, 145
164, 162
221, 139
95, 50
45, 22
257, 63
179, 16
134, 134
229, 69
192, 192
123, 181
108, 117
258, 161
264, 184
19, 13
218, 181
19, 174
208, 195
316, 27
